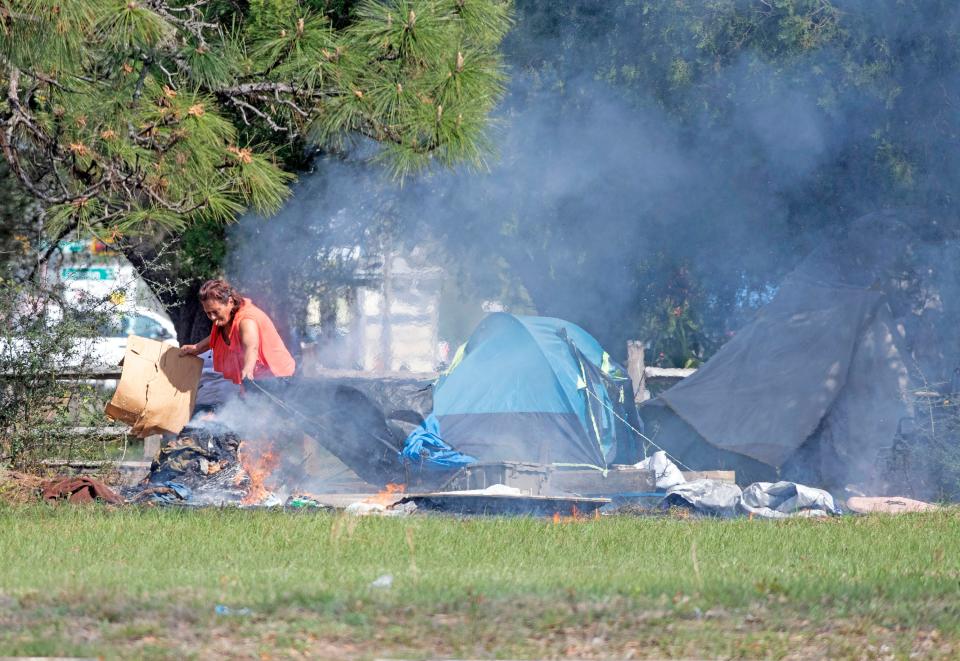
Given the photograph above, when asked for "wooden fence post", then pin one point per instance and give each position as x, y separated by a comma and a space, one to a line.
635, 369
151, 446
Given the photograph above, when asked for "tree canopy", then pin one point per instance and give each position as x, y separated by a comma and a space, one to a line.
128, 115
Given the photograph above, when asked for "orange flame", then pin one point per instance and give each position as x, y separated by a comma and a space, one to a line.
575, 516
258, 463
388, 496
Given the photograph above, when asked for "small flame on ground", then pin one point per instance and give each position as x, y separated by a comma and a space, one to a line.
258, 463
575, 516
388, 496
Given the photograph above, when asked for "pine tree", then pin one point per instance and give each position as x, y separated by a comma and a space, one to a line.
126, 116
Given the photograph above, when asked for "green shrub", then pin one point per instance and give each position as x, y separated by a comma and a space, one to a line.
41, 339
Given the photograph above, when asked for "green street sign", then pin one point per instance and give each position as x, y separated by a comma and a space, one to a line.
88, 273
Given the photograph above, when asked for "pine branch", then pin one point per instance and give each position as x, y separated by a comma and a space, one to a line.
133, 108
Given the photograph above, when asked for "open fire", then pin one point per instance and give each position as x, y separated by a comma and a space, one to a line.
388, 496
575, 516
258, 460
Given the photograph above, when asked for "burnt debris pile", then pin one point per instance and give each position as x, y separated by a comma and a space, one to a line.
201, 465
269, 445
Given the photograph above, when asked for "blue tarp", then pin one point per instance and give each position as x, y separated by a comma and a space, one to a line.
426, 449
167, 492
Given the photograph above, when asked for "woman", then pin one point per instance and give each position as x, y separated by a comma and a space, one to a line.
245, 342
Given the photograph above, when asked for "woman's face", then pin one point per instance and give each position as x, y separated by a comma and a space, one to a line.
217, 312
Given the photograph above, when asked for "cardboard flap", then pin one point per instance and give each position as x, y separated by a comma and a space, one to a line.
157, 389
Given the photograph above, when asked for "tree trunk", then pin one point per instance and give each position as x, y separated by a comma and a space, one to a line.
188, 317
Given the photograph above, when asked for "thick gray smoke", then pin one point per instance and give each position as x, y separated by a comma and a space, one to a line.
617, 175
632, 170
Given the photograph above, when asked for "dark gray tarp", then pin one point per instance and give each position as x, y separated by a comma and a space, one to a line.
361, 419
820, 360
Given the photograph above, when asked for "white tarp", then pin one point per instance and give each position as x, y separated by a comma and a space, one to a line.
779, 500
705, 496
782, 500
665, 471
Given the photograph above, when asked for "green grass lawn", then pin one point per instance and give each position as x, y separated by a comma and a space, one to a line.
88, 581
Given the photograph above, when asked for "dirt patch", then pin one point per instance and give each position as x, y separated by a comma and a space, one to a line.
19, 488
525, 628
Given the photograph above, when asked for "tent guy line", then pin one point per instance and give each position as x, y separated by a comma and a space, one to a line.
638, 432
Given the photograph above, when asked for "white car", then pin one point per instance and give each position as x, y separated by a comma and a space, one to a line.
108, 348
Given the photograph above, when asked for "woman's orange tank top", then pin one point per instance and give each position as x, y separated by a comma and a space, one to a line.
273, 359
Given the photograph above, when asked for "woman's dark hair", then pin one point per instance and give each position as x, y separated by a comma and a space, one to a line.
221, 291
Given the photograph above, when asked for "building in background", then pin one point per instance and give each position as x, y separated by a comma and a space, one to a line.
390, 324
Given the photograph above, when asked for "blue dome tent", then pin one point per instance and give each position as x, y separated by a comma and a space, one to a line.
532, 389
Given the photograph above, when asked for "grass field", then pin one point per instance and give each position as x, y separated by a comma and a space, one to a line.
89, 581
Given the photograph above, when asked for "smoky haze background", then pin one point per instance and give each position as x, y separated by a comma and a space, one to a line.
653, 159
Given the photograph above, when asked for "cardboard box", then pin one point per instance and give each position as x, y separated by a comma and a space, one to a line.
157, 389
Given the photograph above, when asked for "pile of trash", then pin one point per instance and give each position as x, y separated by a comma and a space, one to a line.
201, 466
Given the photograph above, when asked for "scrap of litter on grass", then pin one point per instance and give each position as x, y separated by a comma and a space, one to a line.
382, 582
221, 609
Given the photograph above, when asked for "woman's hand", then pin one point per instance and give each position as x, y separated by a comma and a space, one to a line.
246, 373
189, 350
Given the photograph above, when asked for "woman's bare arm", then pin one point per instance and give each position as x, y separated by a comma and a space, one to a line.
250, 341
194, 349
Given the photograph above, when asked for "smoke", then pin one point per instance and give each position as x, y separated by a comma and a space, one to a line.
656, 153
274, 450
324, 242
596, 184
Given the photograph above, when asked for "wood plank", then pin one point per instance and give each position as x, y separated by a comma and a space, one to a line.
637, 370
151, 446
721, 476
97, 431
330, 373
90, 373
97, 463
123, 473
